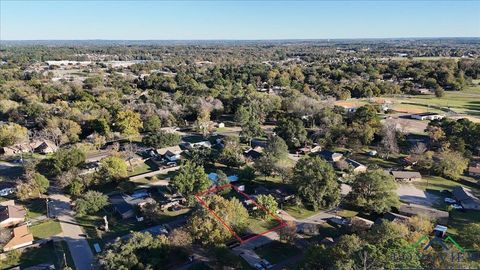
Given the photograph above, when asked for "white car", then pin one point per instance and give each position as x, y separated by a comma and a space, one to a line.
457, 206
259, 266
450, 200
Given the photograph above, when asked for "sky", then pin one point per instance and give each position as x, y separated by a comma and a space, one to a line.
236, 19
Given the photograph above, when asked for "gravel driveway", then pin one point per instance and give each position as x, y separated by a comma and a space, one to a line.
411, 194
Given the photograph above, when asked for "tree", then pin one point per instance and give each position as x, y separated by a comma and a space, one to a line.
389, 138
112, 169
276, 147
153, 123
90, 203
11, 134
251, 129
232, 154
33, 187
140, 251
470, 235
450, 164
180, 238
292, 131
190, 179
439, 92
247, 173
288, 232
162, 139
203, 123
270, 204
374, 191
128, 123
67, 158
316, 182
206, 229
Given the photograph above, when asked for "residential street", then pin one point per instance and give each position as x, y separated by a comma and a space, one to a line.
72, 233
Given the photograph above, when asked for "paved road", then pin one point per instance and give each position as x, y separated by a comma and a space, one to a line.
72, 233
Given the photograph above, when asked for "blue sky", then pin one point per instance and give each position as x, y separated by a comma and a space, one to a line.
232, 19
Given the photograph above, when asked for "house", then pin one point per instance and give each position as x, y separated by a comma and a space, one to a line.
330, 156
46, 147
310, 149
204, 144
357, 166
427, 116
356, 224
474, 170
414, 209
11, 214
214, 178
125, 205
254, 153
43, 266
393, 217
466, 198
422, 91
21, 238
170, 153
7, 188
406, 176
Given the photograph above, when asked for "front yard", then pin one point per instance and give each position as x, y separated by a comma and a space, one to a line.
45, 229
276, 251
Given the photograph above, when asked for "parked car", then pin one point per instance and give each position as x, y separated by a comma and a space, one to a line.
266, 264
259, 266
457, 206
446, 192
450, 200
171, 164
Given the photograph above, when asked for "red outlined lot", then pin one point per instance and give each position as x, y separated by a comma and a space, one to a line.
281, 222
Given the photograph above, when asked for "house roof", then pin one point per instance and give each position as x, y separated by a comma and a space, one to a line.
11, 211
475, 168
6, 184
405, 174
46, 145
329, 155
416, 209
354, 163
21, 236
466, 197
172, 150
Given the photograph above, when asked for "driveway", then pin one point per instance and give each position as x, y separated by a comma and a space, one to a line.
411, 194
72, 233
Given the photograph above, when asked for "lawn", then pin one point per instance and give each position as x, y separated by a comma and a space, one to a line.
465, 101
440, 183
459, 219
259, 225
46, 229
276, 251
347, 213
298, 212
47, 253
369, 161
145, 167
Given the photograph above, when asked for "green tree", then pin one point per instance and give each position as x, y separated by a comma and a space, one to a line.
316, 182
161, 139
292, 131
206, 230
270, 204
112, 169
67, 158
191, 179
374, 191
450, 164
153, 123
276, 147
439, 92
232, 154
128, 123
11, 134
90, 203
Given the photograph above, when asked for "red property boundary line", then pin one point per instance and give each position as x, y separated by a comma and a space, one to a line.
281, 222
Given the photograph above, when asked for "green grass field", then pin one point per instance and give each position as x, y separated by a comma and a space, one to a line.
276, 251
298, 212
466, 101
45, 229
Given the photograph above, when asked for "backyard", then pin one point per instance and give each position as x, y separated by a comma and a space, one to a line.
45, 229
276, 251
